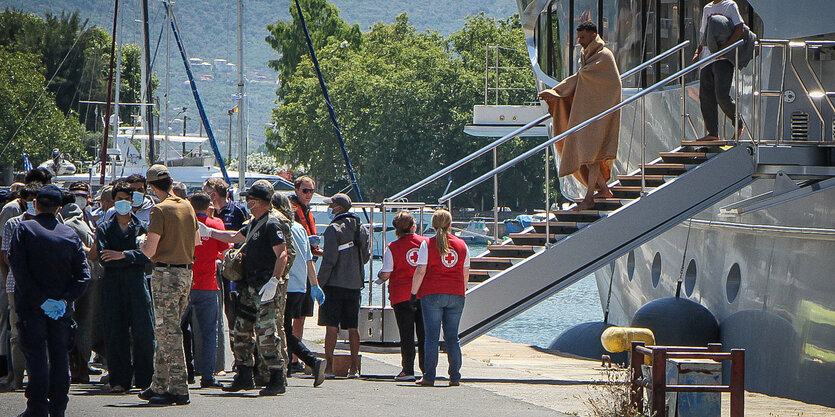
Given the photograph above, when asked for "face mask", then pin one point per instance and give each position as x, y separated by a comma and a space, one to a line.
30, 208
138, 199
331, 214
81, 202
250, 205
122, 207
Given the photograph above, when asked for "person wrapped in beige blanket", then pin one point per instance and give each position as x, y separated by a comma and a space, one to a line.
589, 153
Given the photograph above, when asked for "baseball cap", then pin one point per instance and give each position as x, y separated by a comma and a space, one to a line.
80, 187
339, 199
50, 195
260, 191
157, 172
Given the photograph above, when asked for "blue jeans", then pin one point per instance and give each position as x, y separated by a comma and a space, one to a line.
443, 309
204, 307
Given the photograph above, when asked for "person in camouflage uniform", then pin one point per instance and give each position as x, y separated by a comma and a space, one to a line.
267, 259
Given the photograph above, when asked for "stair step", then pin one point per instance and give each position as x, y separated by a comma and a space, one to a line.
510, 251
708, 143
556, 227
622, 191
635, 180
479, 275
684, 157
608, 204
491, 263
665, 169
535, 238
583, 216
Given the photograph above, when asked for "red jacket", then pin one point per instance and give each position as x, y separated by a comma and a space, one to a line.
445, 275
404, 254
205, 255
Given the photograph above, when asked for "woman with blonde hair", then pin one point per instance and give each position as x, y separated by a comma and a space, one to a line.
399, 262
440, 280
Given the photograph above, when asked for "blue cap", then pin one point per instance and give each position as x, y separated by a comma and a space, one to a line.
50, 195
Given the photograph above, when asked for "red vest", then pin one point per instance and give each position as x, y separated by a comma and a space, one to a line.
404, 253
445, 274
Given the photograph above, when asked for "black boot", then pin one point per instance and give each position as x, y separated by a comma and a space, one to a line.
276, 385
243, 380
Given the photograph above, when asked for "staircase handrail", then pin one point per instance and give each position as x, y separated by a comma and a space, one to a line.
487, 148
574, 129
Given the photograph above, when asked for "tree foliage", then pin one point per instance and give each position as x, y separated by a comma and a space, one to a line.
29, 120
403, 98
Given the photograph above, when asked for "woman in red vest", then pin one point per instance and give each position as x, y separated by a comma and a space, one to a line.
440, 282
399, 262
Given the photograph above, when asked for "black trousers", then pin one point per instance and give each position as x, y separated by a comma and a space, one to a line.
295, 302
128, 319
45, 344
715, 91
409, 322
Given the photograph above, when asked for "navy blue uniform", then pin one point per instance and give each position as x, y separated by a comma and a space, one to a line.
48, 263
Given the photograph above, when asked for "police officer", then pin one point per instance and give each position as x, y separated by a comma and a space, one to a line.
50, 269
266, 263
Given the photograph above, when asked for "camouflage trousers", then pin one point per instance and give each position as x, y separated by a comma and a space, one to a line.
264, 321
170, 287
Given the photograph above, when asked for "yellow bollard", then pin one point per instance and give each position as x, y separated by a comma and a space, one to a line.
619, 339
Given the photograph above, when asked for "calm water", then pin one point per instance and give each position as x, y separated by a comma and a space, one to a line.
540, 324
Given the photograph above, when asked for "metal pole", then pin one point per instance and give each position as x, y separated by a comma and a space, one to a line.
229, 143
547, 198
683, 101
644, 146
147, 83
737, 109
371, 244
167, 71
486, 72
117, 90
495, 197
496, 61
109, 95
241, 107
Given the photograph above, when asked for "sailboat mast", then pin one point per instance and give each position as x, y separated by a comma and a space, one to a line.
167, 69
242, 146
109, 95
117, 90
147, 87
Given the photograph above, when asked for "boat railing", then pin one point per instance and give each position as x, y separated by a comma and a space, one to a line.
640, 96
489, 147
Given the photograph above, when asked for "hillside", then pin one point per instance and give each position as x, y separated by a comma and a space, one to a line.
209, 31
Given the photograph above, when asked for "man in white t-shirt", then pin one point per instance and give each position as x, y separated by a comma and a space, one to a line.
716, 77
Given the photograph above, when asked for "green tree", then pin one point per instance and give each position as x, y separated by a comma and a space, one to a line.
287, 38
29, 119
403, 98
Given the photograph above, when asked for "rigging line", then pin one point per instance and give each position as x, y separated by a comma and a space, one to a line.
90, 90
156, 49
609, 297
23, 122
684, 257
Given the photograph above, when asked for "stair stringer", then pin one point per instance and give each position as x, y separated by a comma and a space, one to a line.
547, 272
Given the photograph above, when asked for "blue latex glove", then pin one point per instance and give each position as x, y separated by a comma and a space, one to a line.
54, 309
317, 294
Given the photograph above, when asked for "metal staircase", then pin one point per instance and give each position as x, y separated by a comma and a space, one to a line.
523, 271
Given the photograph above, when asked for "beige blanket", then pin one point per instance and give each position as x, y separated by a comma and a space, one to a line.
593, 89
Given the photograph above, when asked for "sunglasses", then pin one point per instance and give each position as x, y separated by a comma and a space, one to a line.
307, 190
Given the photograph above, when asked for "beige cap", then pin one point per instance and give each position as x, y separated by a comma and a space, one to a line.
157, 172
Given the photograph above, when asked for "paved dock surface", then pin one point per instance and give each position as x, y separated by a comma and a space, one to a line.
500, 378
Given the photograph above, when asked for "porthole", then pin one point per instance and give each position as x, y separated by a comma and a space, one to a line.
630, 265
733, 283
656, 269
690, 278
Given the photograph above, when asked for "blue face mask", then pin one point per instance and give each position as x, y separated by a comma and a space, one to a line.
122, 207
330, 213
30, 208
138, 199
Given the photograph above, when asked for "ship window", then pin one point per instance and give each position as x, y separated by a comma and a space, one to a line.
656, 269
733, 283
630, 265
690, 278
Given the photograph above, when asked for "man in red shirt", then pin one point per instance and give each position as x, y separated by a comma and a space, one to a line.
203, 298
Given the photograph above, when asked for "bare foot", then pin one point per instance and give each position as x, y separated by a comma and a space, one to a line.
739, 131
607, 193
708, 138
583, 205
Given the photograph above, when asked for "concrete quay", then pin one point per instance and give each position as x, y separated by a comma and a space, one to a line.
500, 378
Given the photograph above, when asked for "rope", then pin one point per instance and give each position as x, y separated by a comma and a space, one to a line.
683, 258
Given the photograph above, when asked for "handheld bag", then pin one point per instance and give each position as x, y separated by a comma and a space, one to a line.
233, 260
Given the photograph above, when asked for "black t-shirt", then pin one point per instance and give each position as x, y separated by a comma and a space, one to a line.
259, 257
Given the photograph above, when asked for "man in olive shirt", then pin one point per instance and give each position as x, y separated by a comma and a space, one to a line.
172, 236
